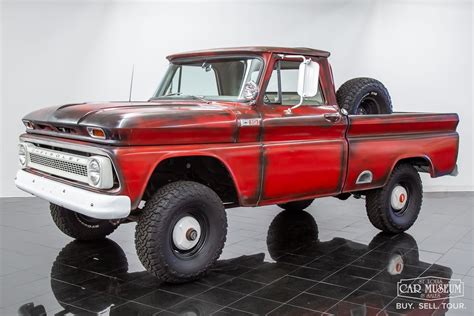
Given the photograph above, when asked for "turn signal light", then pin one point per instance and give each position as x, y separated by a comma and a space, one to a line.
96, 132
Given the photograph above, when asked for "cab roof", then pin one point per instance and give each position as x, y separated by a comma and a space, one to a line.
251, 50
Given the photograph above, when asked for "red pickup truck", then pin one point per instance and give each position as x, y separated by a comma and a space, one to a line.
231, 127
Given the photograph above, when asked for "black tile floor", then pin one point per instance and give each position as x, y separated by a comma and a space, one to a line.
326, 260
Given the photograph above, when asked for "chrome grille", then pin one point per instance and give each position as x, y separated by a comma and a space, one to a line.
58, 163
65, 166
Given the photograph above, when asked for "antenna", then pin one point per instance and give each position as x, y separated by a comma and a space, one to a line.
131, 84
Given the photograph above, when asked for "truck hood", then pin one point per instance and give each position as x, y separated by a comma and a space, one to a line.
140, 123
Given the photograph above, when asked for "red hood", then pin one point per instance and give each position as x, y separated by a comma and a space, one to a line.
142, 123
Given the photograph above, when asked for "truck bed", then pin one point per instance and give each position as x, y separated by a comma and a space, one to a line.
378, 142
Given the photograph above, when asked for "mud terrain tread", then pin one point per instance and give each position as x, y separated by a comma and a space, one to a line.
67, 221
149, 224
348, 92
375, 199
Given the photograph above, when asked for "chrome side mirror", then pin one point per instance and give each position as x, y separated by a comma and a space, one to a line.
308, 80
250, 91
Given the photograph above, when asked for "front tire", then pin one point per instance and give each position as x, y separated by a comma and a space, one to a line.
395, 207
181, 232
79, 226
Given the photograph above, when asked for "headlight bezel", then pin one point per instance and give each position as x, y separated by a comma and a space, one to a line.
22, 148
103, 175
93, 172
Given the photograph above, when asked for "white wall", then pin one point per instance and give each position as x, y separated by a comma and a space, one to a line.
60, 52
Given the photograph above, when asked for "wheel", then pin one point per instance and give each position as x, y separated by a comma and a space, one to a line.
181, 231
79, 226
290, 231
364, 96
296, 205
395, 207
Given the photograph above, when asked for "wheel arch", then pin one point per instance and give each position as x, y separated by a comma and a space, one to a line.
203, 168
422, 163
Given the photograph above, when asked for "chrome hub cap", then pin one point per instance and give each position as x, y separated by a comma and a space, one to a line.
399, 198
186, 233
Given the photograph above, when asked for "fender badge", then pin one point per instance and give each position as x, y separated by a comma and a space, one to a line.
249, 122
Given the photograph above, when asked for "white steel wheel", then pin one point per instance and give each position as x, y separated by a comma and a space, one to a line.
186, 233
399, 198
395, 207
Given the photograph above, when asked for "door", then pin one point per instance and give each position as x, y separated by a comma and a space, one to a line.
304, 151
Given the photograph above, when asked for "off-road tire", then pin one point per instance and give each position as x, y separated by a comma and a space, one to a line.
80, 226
379, 210
364, 96
296, 205
154, 230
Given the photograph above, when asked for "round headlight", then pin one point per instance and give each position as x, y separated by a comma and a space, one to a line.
94, 172
22, 155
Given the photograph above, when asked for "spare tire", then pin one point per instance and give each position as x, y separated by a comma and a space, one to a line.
364, 96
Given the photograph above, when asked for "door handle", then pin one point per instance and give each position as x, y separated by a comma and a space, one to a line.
332, 117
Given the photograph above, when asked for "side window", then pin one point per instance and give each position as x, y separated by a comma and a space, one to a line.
282, 87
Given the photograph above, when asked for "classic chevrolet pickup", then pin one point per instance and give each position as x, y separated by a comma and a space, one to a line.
246, 126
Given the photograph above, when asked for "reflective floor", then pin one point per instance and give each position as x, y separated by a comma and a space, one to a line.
328, 259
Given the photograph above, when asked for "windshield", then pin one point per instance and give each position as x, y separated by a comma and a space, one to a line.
210, 79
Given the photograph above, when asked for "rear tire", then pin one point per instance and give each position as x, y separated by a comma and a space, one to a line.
181, 232
79, 226
296, 205
364, 96
395, 207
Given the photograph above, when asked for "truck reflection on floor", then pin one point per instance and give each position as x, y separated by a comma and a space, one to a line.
355, 279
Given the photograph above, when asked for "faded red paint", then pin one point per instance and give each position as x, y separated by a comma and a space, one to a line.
285, 157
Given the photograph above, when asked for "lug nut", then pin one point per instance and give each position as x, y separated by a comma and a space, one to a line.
191, 234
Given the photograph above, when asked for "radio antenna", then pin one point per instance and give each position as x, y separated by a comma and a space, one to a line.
131, 84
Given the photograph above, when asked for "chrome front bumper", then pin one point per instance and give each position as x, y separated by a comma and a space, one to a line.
89, 203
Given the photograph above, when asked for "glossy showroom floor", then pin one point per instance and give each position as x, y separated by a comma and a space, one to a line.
329, 259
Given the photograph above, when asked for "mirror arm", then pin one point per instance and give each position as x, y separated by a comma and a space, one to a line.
305, 61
